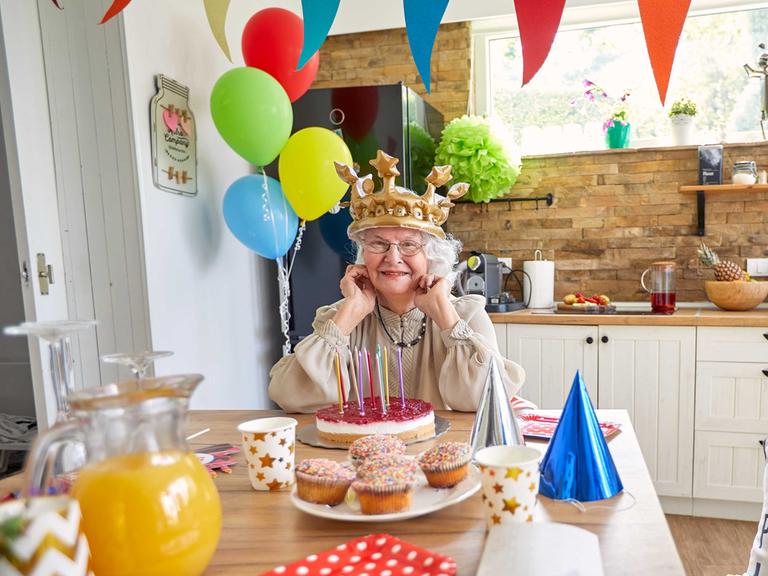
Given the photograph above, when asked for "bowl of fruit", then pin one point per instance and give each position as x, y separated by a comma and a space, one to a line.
732, 289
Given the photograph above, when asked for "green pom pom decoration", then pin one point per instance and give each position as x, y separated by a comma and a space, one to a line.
479, 156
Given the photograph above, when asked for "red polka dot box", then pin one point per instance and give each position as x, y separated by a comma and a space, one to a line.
374, 555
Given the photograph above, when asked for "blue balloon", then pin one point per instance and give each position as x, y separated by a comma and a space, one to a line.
333, 228
578, 464
258, 214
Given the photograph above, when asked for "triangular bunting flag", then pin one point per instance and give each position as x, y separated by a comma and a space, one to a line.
578, 464
56, 3
115, 9
537, 21
216, 11
318, 18
662, 24
422, 20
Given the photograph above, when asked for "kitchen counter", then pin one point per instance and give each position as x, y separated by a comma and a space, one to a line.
703, 315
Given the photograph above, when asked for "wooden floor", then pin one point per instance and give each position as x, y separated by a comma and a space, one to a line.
712, 547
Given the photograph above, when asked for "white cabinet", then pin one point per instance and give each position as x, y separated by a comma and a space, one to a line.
550, 356
731, 413
648, 371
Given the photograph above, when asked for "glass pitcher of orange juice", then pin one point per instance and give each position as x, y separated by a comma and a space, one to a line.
148, 505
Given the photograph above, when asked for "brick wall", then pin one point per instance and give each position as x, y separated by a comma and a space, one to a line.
384, 57
614, 213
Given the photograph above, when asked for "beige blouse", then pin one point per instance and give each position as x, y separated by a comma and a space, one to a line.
447, 368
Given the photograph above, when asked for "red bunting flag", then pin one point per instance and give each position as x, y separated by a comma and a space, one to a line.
537, 21
115, 9
56, 3
662, 24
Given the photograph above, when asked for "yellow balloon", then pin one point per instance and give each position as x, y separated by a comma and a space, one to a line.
307, 173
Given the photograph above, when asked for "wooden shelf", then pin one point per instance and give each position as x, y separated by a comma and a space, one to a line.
725, 188
701, 189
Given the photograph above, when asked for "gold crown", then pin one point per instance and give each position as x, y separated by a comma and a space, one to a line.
394, 206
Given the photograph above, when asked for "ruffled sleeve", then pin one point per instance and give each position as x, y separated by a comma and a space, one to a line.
470, 344
305, 380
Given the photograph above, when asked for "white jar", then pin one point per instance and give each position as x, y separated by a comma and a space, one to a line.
744, 173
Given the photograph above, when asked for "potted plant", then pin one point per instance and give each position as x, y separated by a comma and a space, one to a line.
616, 126
681, 117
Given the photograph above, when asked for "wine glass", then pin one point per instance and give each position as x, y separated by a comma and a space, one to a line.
56, 334
137, 362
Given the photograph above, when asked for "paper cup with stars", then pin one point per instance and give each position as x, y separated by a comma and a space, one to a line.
269, 445
510, 479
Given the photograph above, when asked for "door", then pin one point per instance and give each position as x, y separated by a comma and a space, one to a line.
31, 176
551, 355
650, 373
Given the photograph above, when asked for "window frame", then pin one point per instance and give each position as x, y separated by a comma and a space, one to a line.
610, 12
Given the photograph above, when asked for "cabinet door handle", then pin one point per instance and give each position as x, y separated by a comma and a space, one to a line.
590, 339
604, 339
765, 372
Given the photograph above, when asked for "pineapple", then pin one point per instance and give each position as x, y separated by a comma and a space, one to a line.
725, 270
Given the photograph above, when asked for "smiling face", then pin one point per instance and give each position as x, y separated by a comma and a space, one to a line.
392, 273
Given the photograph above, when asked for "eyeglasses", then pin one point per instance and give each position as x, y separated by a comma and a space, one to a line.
406, 248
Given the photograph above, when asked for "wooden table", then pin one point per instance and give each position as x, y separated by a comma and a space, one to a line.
263, 529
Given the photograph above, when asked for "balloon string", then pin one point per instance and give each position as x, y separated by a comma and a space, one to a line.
285, 293
297, 245
582, 508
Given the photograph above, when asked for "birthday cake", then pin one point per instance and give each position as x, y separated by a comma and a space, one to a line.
409, 420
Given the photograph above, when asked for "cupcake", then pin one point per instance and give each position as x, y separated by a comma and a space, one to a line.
446, 464
376, 445
323, 481
385, 484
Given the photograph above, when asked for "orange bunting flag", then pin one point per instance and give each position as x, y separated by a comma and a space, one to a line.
662, 24
115, 9
537, 21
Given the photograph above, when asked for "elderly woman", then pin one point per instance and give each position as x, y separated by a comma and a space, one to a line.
398, 295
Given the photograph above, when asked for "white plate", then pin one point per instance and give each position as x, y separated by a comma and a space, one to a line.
425, 501
309, 435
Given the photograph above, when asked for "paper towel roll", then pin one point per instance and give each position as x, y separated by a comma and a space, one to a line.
541, 286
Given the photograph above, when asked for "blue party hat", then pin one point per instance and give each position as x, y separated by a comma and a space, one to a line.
578, 464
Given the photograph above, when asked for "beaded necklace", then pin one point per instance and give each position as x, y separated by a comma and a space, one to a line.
402, 344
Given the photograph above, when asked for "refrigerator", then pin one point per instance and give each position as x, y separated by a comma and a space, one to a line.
392, 118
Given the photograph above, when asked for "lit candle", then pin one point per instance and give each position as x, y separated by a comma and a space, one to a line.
338, 383
386, 375
402, 384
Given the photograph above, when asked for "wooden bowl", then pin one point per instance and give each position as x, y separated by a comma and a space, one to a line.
738, 296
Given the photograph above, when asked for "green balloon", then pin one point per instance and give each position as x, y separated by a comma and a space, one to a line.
252, 113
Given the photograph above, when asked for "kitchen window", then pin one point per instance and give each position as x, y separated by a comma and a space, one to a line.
605, 44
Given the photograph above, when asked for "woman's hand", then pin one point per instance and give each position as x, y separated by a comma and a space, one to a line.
359, 298
432, 294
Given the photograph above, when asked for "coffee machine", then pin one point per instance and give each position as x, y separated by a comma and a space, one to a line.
481, 274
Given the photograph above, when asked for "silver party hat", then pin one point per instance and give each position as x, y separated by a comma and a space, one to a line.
495, 423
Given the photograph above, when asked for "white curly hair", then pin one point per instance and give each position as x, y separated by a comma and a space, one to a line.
442, 254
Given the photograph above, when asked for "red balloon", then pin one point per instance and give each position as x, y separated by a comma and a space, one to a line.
272, 41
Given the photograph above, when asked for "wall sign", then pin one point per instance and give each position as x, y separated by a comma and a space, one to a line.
174, 149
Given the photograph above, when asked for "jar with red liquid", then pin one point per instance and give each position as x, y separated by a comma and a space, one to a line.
662, 288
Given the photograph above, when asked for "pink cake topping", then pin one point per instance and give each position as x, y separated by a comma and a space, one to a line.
367, 446
413, 409
390, 471
445, 455
326, 469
